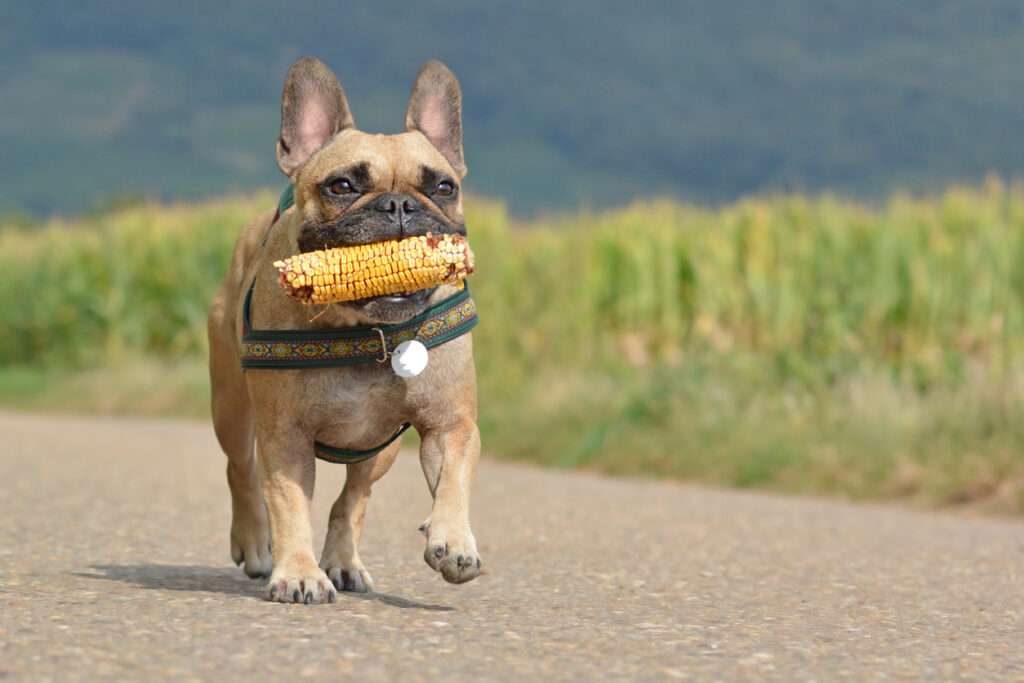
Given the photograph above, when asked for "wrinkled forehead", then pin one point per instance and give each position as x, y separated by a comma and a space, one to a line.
388, 160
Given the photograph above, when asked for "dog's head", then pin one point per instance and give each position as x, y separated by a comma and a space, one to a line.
355, 188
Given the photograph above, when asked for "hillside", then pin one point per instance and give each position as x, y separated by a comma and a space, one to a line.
566, 103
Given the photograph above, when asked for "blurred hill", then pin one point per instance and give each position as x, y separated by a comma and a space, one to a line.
566, 103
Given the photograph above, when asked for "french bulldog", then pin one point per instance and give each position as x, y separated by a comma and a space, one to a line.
350, 188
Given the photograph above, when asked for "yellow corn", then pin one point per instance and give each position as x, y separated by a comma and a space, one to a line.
378, 269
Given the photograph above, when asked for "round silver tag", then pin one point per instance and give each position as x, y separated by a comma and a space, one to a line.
409, 358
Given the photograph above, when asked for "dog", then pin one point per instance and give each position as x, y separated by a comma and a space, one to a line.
350, 188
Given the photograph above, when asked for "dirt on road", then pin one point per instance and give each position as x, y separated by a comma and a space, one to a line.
114, 563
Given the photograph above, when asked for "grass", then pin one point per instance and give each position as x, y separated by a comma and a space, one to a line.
135, 385
797, 344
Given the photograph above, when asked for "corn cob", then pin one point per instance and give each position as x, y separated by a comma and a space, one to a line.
377, 269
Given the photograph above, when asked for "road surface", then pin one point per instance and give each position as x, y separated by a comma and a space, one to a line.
114, 563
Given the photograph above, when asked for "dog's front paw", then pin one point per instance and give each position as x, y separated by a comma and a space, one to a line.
353, 578
309, 586
451, 552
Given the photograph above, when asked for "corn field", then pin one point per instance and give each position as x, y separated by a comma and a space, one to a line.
810, 344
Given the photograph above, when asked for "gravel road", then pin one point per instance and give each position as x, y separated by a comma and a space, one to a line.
114, 563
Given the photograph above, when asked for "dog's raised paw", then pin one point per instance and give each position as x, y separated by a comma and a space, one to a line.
310, 588
454, 555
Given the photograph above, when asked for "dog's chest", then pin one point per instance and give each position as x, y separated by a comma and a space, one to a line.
353, 407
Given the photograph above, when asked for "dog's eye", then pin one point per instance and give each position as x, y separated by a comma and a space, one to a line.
341, 186
445, 189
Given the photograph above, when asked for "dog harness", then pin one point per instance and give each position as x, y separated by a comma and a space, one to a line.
344, 346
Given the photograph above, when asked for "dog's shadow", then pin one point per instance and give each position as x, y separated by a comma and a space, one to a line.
201, 579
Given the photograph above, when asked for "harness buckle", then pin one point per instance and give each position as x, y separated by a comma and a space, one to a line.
383, 346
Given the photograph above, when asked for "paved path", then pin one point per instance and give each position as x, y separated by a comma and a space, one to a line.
114, 563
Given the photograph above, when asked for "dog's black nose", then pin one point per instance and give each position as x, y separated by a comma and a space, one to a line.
397, 206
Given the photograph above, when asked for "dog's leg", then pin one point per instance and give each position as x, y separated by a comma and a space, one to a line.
234, 425
287, 473
448, 457
341, 549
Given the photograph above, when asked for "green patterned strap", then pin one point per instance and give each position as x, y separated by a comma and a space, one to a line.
287, 199
344, 456
341, 346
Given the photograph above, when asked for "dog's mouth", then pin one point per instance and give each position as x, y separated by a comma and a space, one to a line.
397, 299
394, 308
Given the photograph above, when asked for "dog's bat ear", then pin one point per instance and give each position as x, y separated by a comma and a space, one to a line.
313, 110
435, 109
